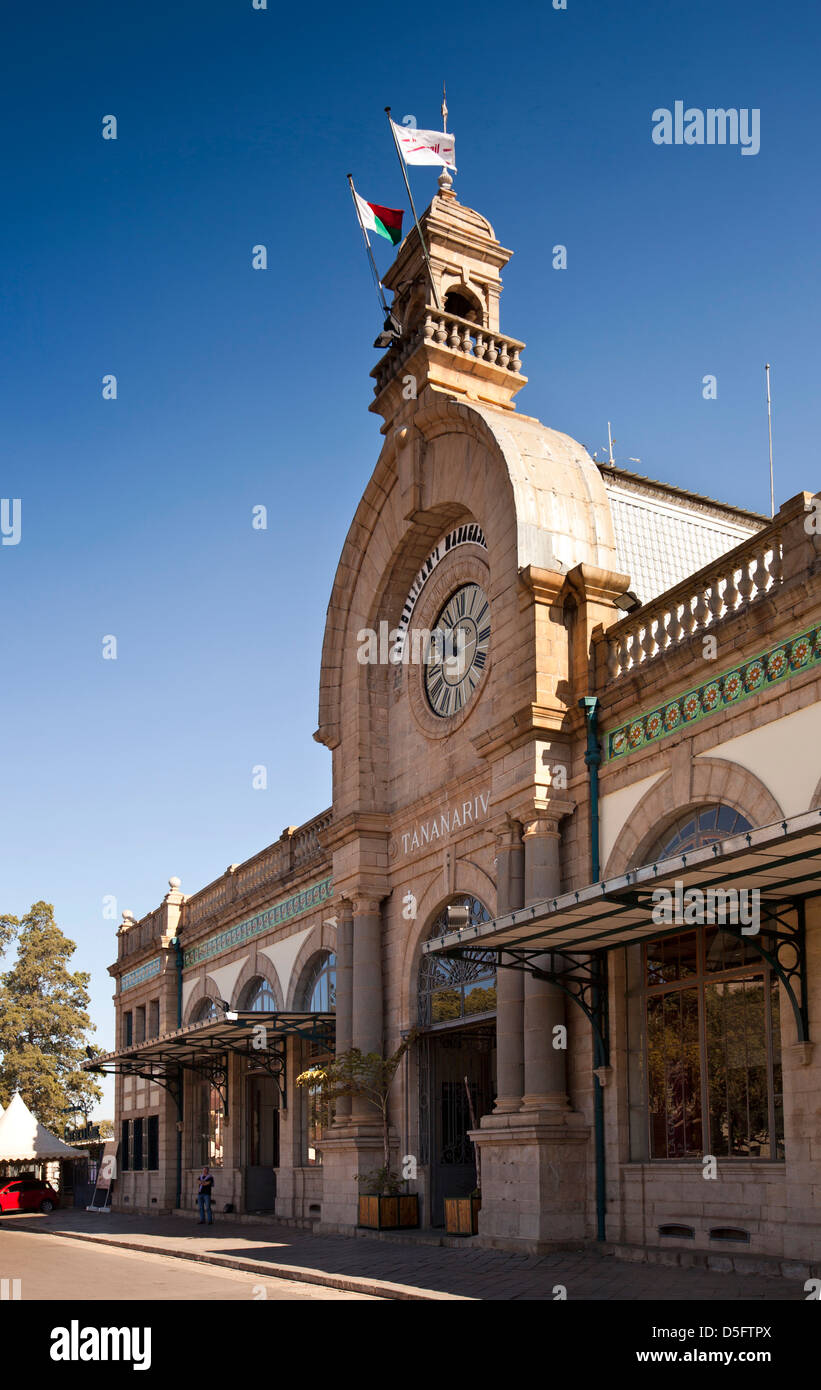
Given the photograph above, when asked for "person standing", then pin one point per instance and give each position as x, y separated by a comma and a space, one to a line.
204, 1197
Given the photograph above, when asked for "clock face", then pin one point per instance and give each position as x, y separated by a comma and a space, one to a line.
461, 638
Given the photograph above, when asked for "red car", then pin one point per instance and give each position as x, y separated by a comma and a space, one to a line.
27, 1194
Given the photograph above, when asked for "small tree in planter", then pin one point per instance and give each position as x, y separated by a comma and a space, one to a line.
368, 1075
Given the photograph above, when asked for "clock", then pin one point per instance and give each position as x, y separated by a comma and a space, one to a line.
461, 638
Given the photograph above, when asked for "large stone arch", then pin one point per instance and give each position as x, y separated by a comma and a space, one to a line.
206, 989
469, 880
539, 500
256, 967
713, 780
321, 940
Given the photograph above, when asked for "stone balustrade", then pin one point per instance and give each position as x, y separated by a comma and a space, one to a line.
459, 335
693, 608
449, 330
294, 850
139, 936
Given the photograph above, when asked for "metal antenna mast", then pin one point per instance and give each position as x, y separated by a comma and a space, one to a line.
770, 432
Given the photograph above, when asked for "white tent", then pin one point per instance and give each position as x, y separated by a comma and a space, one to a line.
24, 1140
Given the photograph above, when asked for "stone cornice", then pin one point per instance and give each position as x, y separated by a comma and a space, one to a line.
354, 825
530, 722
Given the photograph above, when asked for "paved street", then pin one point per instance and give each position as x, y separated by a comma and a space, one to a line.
401, 1267
52, 1269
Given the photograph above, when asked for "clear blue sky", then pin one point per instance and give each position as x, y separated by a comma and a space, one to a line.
236, 387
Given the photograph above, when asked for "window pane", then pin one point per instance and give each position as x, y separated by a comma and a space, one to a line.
480, 998
320, 990
726, 952
137, 1145
445, 1004
672, 958
736, 1027
450, 989
674, 1083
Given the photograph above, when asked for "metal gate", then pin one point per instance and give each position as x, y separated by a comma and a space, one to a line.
445, 1059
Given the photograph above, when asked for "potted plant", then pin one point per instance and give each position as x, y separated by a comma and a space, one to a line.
462, 1213
382, 1205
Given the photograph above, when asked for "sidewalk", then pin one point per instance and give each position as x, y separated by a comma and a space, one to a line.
400, 1269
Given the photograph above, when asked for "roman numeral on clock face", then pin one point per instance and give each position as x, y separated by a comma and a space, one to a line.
465, 625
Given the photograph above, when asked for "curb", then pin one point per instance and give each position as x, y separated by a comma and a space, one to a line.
377, 1288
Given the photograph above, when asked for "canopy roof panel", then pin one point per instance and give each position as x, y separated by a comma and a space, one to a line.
783, 861
203, 1041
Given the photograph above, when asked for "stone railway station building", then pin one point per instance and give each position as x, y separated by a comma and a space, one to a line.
637, 704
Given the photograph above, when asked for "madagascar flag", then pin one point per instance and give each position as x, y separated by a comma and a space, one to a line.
386, 222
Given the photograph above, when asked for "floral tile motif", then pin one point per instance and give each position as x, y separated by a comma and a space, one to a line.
141, 974
284, 911
718, 693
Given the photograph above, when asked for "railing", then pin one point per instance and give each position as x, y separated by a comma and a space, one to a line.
140, 935
694, 607
295, 849
305, 843
458, 334
209, 900
449, 330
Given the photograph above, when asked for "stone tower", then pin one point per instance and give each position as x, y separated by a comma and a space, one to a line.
468, 497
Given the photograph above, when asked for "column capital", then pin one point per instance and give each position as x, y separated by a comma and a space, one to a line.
507, 831
544, 818
364, 906
346, 907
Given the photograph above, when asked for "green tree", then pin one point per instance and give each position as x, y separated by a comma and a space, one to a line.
44, 1019
364, 1074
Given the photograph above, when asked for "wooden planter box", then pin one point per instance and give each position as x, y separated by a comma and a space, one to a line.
389, 1213
462, 1215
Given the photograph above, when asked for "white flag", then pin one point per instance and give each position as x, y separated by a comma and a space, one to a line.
426, 146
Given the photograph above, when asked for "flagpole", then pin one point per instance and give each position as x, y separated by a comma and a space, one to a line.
376, 278
770, 432
413, 207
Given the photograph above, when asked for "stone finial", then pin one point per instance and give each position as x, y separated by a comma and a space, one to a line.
128, 917
446, 184
173, 884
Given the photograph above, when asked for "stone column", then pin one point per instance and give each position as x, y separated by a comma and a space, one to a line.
353, 1145
510, 859
344, 994
367, 1030
545, 1083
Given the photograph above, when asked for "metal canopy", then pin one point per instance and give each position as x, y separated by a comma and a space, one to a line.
186, 1046
204, 1048
782, 860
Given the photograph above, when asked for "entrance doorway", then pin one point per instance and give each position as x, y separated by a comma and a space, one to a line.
456, 1006
449, 1060
263, 1142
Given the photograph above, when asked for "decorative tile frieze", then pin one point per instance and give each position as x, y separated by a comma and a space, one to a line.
286, 911
141, 974
717, 694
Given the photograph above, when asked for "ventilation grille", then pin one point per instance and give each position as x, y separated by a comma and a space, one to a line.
730, 1233
673, 1232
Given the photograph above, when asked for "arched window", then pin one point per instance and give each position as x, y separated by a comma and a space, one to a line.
258, 997
449, 989
696, 828
319, 993
461, 302
318, 997
206, 1010
711, 1002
